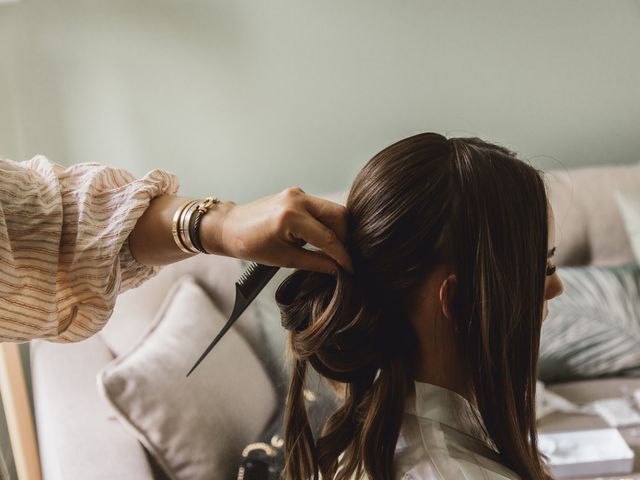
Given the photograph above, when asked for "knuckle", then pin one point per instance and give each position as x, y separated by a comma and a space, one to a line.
293, 192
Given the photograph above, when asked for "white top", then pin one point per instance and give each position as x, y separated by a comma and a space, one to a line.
440, 441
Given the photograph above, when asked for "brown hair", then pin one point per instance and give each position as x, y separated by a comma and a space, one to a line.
420, 202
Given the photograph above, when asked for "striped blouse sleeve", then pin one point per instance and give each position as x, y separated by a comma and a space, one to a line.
64, 250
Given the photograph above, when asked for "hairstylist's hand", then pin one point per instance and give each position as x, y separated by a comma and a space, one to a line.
273, 229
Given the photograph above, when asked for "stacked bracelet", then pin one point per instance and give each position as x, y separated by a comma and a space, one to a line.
176, 229
194, 226
186, 224
189, 209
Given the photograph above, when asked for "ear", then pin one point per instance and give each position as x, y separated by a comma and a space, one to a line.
447, 289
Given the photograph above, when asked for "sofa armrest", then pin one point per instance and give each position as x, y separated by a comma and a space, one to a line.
78, 434
17, 411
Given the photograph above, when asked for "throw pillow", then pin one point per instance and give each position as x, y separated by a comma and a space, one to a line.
593, 328
195, 427
629, 206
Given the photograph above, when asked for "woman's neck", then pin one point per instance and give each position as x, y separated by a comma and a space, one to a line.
440, 363
443, 377
439, 360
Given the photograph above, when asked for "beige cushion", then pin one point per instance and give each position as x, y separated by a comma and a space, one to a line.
571, 219
195, 427
584, 202
629, 204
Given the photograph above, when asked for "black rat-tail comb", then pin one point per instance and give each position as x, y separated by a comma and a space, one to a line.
251, 283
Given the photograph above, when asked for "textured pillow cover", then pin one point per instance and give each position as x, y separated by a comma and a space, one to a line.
593, 328
195, 427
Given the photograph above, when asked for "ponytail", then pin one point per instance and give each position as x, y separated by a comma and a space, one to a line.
334, 328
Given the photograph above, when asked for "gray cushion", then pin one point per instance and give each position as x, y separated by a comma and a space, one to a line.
195, 427
593, 329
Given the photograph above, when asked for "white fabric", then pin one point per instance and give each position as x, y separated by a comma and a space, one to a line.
439, 442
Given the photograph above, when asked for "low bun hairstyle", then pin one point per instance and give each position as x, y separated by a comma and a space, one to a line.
337, 327
421, 202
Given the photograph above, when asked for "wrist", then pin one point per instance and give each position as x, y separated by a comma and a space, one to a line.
212, 226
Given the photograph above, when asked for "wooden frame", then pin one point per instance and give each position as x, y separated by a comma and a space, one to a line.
17, 410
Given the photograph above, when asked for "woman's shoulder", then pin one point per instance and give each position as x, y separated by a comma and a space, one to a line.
429, 450
457, 469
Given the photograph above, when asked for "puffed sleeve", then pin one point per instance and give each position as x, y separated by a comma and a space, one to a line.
64, 250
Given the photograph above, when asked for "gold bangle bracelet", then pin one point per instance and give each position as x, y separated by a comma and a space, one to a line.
183, 226
194, 226
175, 229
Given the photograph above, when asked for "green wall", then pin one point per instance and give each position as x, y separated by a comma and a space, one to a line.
242, 98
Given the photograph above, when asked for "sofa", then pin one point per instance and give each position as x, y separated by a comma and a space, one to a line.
79, 436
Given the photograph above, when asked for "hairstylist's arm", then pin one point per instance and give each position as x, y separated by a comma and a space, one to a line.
270, 230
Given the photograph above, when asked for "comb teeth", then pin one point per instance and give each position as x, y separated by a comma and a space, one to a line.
246, 275
254, 278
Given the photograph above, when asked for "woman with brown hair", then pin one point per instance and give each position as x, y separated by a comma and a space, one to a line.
433, 341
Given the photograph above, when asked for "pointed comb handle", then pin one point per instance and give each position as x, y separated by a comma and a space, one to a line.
251, 283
